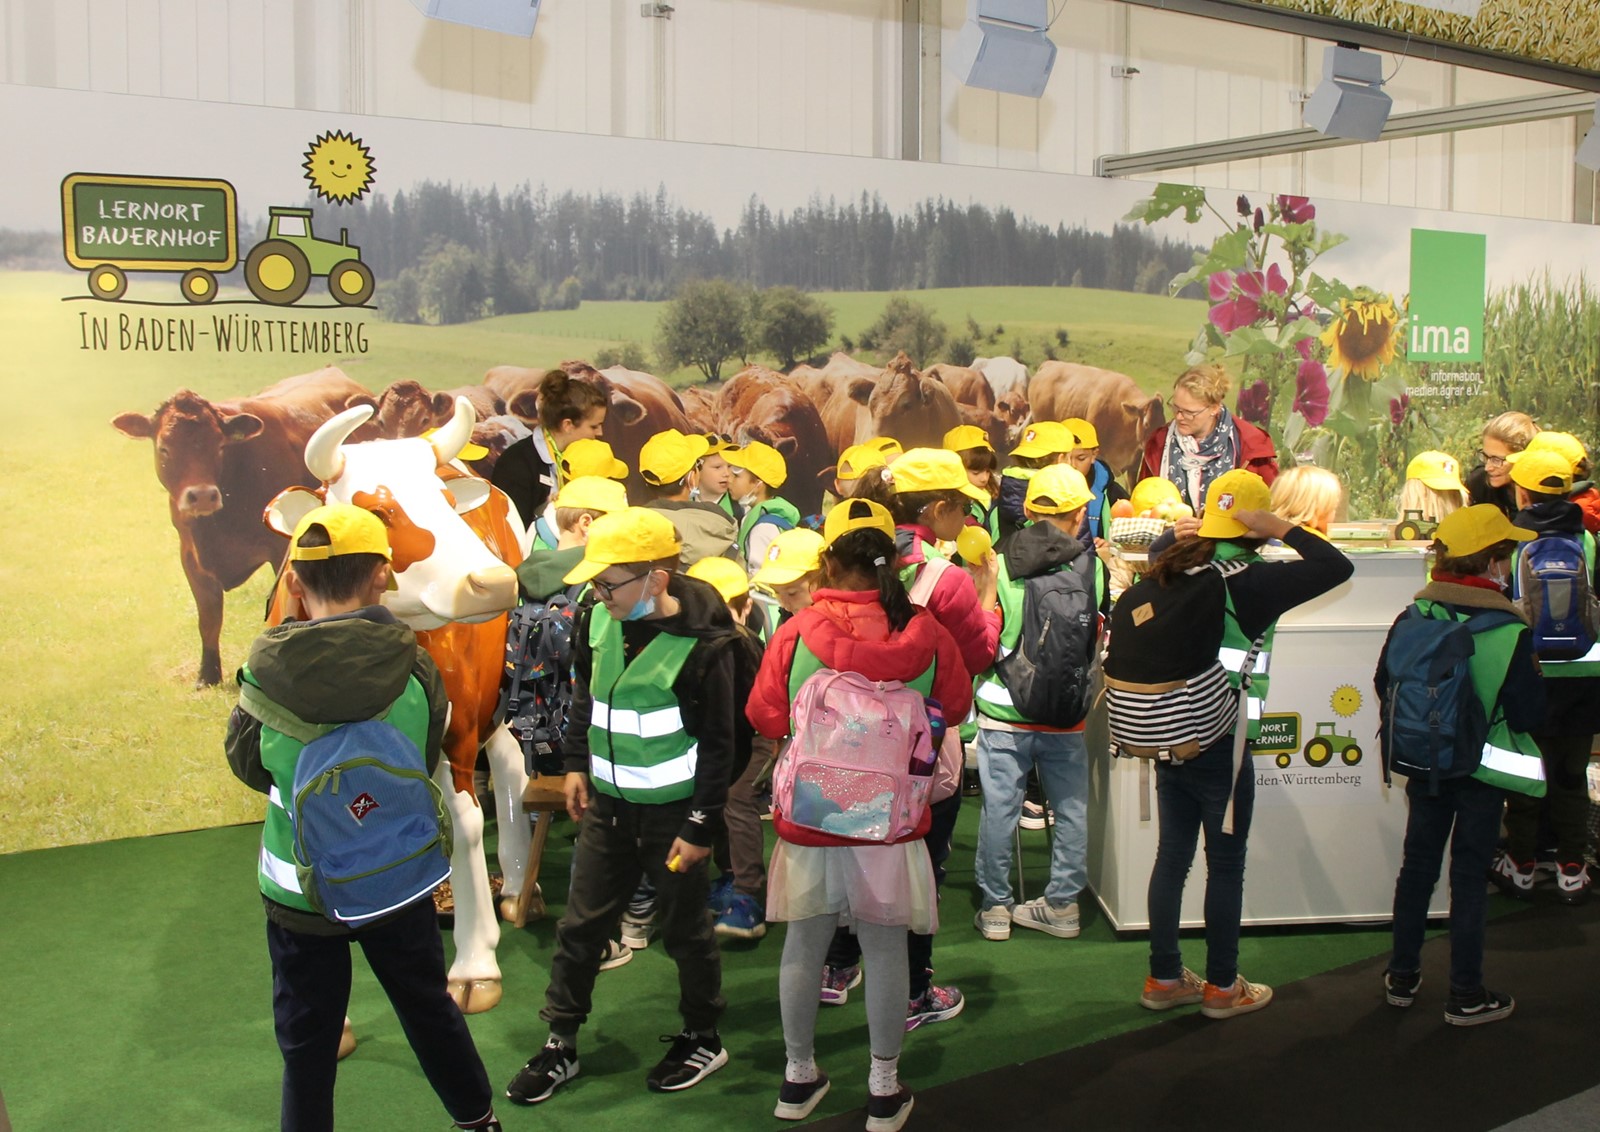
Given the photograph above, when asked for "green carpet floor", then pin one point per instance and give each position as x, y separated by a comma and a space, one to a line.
137, 996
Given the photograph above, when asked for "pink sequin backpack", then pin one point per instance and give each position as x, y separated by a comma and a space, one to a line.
860, 763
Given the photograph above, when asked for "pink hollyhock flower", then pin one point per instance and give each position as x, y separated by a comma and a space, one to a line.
1311, 391
1260, 220
1397, 408
1244, 309
1255, 403
1304, 346
1296, 210
1243, 205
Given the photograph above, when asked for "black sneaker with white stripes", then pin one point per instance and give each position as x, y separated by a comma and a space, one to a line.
546, 1071
1477, 1008
692, 1058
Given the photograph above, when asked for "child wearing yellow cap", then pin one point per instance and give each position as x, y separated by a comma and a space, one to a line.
652, 743
983, 472
1042, 443
669, 466
1472, 549
348, 661
759, 470
1584, 493
1102, 481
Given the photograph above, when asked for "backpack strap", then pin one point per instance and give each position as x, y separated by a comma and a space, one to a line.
272, 714
1241, 723
921, 591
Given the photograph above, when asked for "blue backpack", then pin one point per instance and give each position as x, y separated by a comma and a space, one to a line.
371, 832
1552, 585
1432, 723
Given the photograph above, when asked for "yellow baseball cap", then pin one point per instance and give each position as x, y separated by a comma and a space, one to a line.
760, 459
591, 457
1438, 470
857, 515
1471, 529
1082, 431
351, 530
624, 538
1059, 489
857, 460
1563, 444
1230, 493
669, 456
725, 575
1152, 491
718, 442
888, 445
932, 469
1044, 438
593, 493
1541, 470
790, 557
964, 438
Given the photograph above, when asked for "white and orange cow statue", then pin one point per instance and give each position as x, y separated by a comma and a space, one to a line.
453, 540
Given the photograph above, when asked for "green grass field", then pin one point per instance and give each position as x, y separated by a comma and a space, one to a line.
104, 735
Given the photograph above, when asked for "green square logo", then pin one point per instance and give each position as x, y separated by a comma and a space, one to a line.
1448, 270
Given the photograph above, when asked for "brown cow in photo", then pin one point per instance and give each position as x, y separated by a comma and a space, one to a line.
844, 413
222, 462
1122, 414
915, 409
967, 386
506, 382
787, 420
741, 391
700, 406
641, 405
821, 384
407, 409
996, 429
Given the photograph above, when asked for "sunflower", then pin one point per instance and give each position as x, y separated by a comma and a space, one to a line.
1361, 340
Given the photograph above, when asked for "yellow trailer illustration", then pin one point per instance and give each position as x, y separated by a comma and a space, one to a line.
112, 224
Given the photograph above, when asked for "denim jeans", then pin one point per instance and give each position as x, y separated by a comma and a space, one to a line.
1191, 796
1472, 809
1004, 759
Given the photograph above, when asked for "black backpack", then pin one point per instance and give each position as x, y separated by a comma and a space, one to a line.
536, 689
1048, 673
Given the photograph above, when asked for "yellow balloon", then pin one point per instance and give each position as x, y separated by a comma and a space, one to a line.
973, 543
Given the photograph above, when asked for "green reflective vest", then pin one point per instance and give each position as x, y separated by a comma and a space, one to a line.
1511, 759
1587, 665
777, 506
280, 753
1236, 647
638, 748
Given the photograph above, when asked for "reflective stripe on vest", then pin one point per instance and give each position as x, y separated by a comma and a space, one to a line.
1586, 665
638, 748
280, 872
1511, 761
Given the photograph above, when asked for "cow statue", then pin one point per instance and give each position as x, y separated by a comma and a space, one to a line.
221, 463
452, 539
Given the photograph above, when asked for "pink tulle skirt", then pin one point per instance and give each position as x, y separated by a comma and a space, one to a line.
875, 884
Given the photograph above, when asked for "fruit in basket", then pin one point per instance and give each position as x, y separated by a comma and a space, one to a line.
1122, 509
1182, 511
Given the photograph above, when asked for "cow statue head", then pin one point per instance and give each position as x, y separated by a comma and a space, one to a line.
443, 569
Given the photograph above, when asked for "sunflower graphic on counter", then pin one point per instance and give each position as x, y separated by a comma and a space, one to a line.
1361, 340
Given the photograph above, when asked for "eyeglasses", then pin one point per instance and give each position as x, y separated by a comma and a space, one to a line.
1190, 414
1491, 461
608, 590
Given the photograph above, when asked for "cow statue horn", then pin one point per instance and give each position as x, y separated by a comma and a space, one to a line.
452, 438
323, 456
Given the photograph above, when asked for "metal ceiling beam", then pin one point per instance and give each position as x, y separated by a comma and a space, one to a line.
1382, 39
1470, 116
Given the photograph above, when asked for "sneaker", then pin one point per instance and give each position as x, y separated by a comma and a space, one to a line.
616, 954
1511, 878
721, 893
837, 983
743, 919
795, 1101
1241, 998
936, 1004
1186, 990
994, 923
691, 1059
1400, 989
888, 1114
1043, 916
549, 1069
636, 933
971, 785
1476, 1009
1035, 816
1572, 883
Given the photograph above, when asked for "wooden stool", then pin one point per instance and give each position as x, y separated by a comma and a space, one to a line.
544, 795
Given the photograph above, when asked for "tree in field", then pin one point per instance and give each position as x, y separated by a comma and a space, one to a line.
909, 326
789, 324
704, 326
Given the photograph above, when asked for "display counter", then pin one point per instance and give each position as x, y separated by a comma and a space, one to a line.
1326, 837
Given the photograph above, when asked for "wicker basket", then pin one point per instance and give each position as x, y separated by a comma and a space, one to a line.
1136, 534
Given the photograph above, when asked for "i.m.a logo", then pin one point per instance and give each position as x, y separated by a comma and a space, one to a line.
1448, 270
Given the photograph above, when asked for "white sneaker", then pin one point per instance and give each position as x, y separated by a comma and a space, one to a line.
1035, 816
994, 923
636, 933
1043, 916
615, 955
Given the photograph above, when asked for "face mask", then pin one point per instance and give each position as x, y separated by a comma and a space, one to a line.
694, 494
750, 500
644, 607
1500, 574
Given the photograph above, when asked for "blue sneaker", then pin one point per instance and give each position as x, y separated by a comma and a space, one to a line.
721, 894
744, 919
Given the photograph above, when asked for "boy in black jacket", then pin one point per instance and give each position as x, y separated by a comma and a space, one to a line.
653, 731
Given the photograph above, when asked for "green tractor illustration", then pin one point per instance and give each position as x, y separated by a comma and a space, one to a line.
1412, 527
281, 267
1319, 751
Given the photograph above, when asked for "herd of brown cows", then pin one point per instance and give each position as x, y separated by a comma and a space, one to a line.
222, 462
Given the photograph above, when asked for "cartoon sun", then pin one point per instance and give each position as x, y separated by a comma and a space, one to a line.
1346, 700
339, 167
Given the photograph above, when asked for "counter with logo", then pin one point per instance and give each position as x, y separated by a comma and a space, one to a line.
1326, 837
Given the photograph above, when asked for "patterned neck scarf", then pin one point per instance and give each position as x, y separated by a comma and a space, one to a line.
1192, 464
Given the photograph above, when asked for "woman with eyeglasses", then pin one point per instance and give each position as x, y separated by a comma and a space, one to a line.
1490, 481
1204, 440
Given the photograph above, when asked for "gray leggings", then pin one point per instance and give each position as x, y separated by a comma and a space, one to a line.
805, 947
